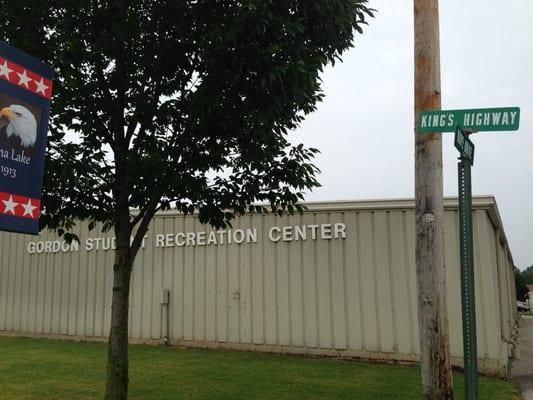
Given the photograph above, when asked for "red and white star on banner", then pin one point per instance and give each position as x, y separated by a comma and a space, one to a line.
19, 206
22, 77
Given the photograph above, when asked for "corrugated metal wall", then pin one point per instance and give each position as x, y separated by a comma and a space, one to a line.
354, 294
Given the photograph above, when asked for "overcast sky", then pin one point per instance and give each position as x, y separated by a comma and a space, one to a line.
364, 127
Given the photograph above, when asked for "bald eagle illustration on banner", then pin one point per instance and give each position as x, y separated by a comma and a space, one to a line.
21, 124
18, 125
25, 94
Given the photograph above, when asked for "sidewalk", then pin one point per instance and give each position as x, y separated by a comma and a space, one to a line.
522, 369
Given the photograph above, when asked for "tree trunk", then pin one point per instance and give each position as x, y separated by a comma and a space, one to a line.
117, 356
429, 210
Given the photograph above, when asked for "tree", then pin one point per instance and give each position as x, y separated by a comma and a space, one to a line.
520, 285
176, 104
527, 275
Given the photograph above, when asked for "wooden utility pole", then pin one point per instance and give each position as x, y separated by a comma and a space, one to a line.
429, 210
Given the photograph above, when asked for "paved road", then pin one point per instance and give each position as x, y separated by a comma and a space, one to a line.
522, 369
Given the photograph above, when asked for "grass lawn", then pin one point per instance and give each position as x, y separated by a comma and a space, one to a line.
47, 369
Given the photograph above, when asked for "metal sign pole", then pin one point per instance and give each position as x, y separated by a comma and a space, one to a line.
467, 274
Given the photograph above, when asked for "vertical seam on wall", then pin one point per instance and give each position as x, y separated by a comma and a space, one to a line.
95, 281
392, 286
263, 277
104, 294
502, 272
52, 292
215, 295
78, 281
10, 290
172, 332
477, 262
494, 276
16, 267
276, 265
330, 291
315, 264
21, 268
37, 268
13, 287
22, 274
95, 286
36, 302
26, 309
302, 297
204, 266
15, 296
32, 292
193, 286
39, 305
288, 246
500, 282
240, 257
5, 292
250, 282
408, 281
159, 302
69, 300
44, 299
182, 297
86, 293
3, 267
25, 322
56, 308
9, 267
151, 255
361, 327
31, 278
344, 286
226, 294
374, 276
165, 310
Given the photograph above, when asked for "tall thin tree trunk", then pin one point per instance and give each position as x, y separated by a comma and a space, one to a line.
429, 210
117, 356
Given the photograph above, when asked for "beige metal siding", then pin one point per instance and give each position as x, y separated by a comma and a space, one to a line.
354, 295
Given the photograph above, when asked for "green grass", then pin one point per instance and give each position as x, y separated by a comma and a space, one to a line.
48, 369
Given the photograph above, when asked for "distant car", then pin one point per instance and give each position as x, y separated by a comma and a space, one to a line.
522, 306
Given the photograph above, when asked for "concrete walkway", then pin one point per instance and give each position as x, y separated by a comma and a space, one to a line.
522, 368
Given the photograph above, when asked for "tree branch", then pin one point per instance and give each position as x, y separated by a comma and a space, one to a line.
149, 212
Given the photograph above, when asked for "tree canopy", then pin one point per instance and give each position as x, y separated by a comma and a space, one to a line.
520, 286
176, 104
527, 275
190, 101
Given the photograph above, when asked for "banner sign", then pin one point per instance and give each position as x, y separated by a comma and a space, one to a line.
25, 94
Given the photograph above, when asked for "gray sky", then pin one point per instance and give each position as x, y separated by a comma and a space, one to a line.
364, 127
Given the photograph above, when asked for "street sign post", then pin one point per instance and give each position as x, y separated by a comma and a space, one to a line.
25, 94
463, 123
468, 297
472, 120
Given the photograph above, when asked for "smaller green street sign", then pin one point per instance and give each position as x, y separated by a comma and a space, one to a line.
464, 145
475, 120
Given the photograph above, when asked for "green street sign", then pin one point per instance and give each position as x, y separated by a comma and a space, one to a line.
464, 145
474, 120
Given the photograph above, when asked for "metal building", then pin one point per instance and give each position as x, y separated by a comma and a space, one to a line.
337, 280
